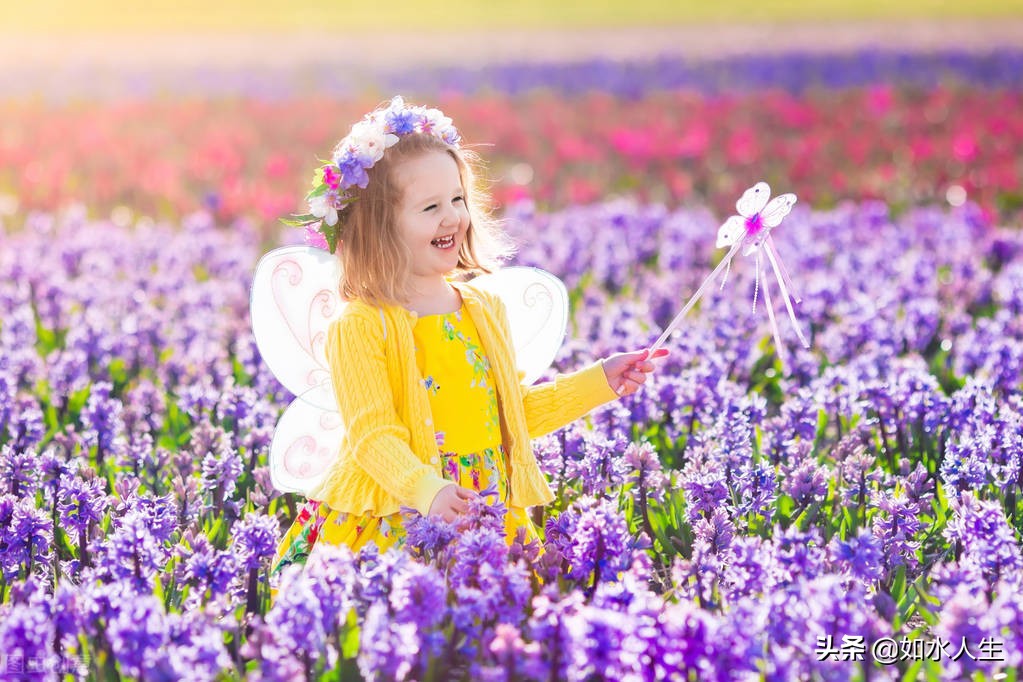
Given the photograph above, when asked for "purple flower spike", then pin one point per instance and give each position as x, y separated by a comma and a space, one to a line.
255, 539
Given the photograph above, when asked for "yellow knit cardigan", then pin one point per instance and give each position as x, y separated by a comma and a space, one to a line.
388, 456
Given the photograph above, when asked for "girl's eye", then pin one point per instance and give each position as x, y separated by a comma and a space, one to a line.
430, 207
458, 199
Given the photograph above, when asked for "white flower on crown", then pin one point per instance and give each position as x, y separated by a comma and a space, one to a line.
325, 206
434, 121
368, 141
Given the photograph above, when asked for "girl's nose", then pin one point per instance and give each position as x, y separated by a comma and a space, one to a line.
450, 216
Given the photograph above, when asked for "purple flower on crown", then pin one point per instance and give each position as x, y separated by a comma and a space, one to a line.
353, 169
402, 121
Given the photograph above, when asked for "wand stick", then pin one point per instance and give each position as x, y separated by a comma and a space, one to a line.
696, 297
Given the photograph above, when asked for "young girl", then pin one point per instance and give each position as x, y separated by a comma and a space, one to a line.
422, 364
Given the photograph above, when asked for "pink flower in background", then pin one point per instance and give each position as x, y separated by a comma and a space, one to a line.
742, 146
573, 148
964, 146
693, 141
635, 145
166, 158
277, 166
922, 148
880, 99
582, 191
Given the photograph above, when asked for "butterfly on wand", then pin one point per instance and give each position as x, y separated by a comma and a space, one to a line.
750, 231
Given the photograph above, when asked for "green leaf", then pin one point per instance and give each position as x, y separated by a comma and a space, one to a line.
299, 220
350, 636
330, 232
77, 401
118, 371
913, 671
899, 583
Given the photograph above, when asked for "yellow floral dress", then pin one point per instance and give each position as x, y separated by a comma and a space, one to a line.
456, 375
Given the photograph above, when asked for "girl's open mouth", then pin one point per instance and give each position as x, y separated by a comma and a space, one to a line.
444, 242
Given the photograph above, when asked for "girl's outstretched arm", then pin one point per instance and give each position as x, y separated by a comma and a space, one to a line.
553, 404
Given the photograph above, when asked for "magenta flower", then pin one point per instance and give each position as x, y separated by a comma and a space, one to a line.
331, 176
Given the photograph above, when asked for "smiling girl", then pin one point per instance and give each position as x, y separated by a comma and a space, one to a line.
422, 362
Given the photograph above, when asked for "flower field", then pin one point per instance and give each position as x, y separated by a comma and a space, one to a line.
852, 515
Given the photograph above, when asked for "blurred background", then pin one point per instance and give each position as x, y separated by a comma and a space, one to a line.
158, 112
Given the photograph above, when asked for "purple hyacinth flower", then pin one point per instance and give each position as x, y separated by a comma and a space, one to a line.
101, 418
19, 471
388, 649
255, 539
81, 502
987, 539
861, 555
26, 638
27, 535
138, 631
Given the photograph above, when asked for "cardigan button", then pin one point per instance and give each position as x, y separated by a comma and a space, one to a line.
434, 460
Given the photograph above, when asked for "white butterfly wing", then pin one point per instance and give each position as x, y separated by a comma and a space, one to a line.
777, 209
294, 299
733, 230
537, 305
305, 443
753, 200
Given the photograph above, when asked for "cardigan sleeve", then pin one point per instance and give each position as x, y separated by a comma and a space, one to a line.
379, 442
553, 404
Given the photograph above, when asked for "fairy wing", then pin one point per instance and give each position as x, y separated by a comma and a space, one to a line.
537, 305
305, 442
294, 299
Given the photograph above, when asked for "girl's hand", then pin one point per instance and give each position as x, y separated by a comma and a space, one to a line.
451, 502
626, 372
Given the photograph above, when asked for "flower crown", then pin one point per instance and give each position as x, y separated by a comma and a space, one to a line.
356, 154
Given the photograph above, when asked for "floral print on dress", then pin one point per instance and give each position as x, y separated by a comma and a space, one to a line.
481, 371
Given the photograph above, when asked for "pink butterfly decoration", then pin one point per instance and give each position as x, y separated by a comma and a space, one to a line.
750, 231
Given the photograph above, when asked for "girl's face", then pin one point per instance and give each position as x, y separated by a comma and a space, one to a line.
433, 217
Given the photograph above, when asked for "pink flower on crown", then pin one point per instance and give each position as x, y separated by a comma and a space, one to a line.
331, 176
314, 237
